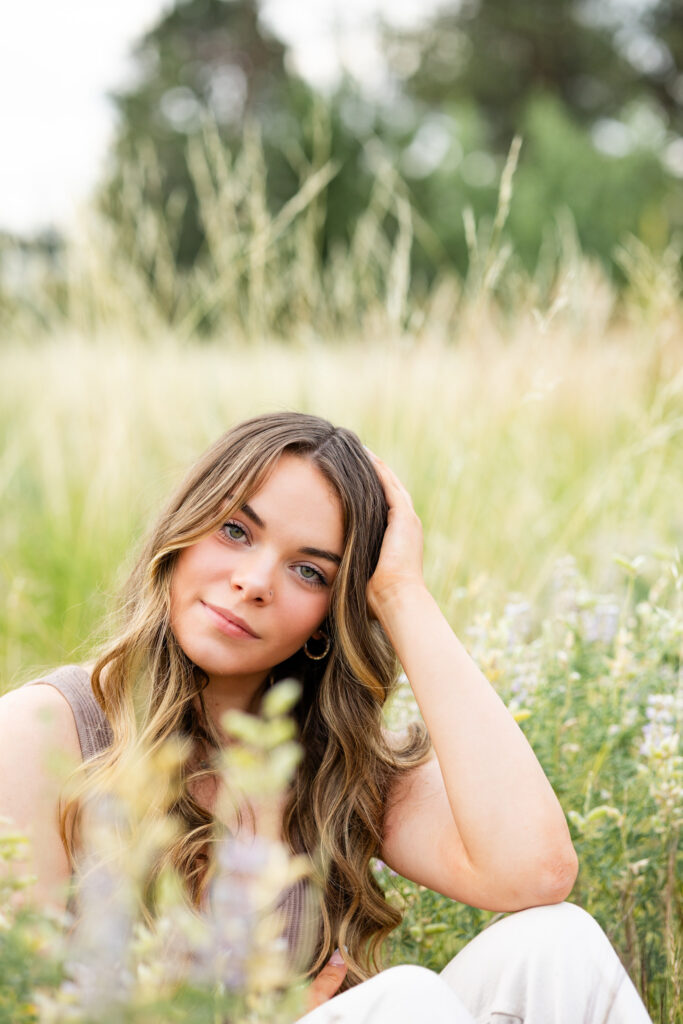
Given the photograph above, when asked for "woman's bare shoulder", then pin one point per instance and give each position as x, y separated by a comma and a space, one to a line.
39, 748
34, 720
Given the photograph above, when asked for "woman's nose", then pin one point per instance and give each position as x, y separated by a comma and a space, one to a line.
253, 578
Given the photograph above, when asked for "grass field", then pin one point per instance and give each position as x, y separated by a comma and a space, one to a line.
517, 451
543, 446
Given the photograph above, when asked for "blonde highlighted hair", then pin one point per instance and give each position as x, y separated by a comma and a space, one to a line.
150, 690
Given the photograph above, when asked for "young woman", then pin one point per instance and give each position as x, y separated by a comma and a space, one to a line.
291, 550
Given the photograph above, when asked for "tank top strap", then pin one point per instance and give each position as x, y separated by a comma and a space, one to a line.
73, 682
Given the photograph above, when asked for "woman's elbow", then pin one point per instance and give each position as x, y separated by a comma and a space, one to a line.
545, 880
556, 878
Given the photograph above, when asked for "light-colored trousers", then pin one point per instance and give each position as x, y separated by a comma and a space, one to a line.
547, 965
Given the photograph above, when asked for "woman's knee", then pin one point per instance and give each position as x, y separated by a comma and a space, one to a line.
559, 922
554, 952
409, 992
553, 931
397, 995
409, 978
540, 934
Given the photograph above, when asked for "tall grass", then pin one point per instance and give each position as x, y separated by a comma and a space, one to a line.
516, 451
532, 419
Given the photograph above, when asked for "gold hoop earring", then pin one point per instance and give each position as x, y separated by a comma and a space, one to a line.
318, 657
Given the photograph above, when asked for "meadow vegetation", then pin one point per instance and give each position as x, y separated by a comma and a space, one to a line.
537, 421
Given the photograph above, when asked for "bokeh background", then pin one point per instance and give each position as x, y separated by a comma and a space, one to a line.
436, 89
455, 227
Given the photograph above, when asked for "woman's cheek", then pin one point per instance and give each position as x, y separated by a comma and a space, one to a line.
308, 611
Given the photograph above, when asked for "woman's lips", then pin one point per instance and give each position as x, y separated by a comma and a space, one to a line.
229, 623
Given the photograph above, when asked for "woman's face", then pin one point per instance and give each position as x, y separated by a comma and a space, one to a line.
249, 596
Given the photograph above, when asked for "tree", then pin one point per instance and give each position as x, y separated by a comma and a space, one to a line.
216, 59
661, 25
573, 77
205, 58
464, 83
496, 54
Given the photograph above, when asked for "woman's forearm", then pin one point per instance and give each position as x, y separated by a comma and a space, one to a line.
504, 808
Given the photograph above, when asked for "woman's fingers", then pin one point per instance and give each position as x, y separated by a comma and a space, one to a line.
327, 983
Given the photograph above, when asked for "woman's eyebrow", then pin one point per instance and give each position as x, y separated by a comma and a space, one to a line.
319, 553
248, 510
316, 552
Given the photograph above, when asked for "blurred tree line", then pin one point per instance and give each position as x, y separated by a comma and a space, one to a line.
594, 88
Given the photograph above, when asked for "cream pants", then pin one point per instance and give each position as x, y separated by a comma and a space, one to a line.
546, 965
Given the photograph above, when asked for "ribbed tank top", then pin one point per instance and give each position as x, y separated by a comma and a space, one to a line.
95, 735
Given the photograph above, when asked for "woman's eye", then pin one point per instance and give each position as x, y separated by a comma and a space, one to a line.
234, 531
311, 575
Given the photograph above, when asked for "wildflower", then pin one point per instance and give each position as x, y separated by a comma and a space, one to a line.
164, 952
564, 586
659, 748
232, 910
517, 622
525, 678
380, 868
600, 622
660, 738
97, 965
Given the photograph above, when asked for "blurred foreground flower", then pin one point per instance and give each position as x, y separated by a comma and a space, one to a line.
227, 962
248, 948
30, 942
99, 962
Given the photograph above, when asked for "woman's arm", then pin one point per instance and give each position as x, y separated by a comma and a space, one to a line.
479, 821
37, 731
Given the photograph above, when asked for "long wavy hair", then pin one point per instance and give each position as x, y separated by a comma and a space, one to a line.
150, 691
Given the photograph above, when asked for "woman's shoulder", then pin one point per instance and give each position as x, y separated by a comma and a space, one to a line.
35, 717
39, 746
69, 692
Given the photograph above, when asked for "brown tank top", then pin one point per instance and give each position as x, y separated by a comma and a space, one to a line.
95, 735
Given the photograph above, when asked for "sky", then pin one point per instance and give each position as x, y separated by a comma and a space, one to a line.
55, 120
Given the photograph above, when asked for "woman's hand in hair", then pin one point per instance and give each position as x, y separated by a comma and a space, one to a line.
327, 983
400, 558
